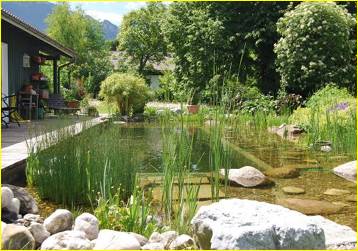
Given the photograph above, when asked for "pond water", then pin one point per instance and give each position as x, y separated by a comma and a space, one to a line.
258, 148
315, 167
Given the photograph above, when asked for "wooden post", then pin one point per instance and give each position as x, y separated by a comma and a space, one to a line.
56, 87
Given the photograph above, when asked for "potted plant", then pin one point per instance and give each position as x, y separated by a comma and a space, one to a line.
70, 98
193, 101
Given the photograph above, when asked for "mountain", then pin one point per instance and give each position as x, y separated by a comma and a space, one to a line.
110, 30
35, 13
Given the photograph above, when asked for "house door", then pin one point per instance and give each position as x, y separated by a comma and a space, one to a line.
4, 71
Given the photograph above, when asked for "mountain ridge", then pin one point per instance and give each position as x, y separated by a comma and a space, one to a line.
35, 13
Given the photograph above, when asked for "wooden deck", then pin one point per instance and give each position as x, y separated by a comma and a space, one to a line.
15, 140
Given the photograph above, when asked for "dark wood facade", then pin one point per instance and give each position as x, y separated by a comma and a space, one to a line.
21, 39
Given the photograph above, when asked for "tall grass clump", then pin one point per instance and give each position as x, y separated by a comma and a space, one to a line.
77, 168
179, 195
330, 115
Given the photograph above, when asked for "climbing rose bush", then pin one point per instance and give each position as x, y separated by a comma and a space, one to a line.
315, 47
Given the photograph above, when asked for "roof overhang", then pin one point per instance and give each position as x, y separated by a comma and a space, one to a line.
15, 21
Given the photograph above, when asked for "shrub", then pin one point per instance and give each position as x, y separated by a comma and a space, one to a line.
168, 87
330, 115
128, 91
327, 101
315, 47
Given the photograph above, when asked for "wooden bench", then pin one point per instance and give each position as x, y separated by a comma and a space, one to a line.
57, 103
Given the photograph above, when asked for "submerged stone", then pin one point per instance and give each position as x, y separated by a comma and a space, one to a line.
283, 172
310, 207
336, 192
293, 190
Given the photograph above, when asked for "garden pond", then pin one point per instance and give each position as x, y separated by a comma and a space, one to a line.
248, 146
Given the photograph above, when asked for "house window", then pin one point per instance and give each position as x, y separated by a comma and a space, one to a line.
26, 61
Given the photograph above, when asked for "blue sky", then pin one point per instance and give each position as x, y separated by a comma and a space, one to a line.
112, 11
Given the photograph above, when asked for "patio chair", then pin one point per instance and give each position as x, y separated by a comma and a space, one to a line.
57, 103
8, 111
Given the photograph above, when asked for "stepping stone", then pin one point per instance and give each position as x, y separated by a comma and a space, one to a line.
283, 172
204, 193
293, 190
336, 192
352, 198
338, 203
310, 207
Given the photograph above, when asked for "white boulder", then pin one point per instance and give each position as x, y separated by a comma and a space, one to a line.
6, 197
16, 237
153, 246
140, 238
183, 241
247, 224
246, 176
114, 240
337, 236
347, 171
165, 238
14, 206
88, 224
70, 240
58, 221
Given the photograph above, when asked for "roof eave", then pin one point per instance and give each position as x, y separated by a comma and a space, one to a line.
34, 32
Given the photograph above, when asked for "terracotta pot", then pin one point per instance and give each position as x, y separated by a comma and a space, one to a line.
45, 94
73, 104
193, 109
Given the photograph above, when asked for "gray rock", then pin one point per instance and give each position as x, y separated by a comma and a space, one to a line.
109, 240
58, 221
6, 196
70, 240
246, 224
183, 241
246, 176
326, 149
30, 218
27, 202
8, 216
17, 237
88, 224
140, 238
153, 246
39, 233
347, 171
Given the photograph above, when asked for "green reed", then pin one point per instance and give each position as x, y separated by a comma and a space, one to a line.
340, 130
76, 168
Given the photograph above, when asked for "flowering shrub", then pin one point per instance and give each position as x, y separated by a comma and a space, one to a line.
330, 101
315, 47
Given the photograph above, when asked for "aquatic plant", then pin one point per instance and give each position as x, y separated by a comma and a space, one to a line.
73, 171
135, 215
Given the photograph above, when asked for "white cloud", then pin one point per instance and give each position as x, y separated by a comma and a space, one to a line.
134, 5
102, 15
